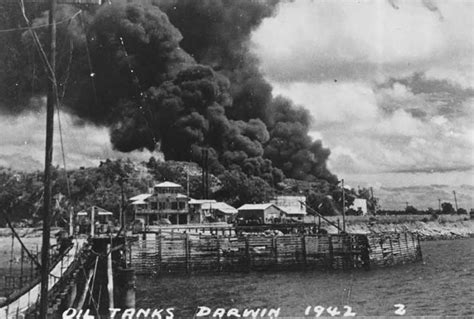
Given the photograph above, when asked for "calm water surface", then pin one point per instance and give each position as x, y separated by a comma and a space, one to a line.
440, 285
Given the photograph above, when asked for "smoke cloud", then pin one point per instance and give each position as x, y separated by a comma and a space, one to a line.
178, 76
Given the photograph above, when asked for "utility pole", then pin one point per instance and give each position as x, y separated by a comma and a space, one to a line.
187, 183
205, 173
455, 201
71, 220
373, 200
122, 203
439, 205
93, 221
343, 207
50, 103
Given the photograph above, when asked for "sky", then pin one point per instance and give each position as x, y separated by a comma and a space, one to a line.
389, 84
23, 140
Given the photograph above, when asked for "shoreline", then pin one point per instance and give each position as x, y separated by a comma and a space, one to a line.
441, 228
444, 227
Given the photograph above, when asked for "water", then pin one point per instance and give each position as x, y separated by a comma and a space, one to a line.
440, 285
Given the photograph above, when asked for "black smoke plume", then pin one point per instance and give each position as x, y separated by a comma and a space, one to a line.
217, 33
178, 75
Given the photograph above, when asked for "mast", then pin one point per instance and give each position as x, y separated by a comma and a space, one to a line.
51, 99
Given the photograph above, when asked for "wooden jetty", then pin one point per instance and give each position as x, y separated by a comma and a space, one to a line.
91, 275
160, 253
21, 301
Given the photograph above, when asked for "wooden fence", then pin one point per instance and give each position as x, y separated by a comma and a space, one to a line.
394, 248
154, 253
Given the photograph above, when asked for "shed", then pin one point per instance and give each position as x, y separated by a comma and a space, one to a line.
220, 211
259, 213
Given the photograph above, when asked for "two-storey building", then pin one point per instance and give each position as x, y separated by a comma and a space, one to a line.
164, 204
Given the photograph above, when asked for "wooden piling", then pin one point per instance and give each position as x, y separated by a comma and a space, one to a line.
331, 252
187, 252
110, 277
303, 248
80, 304
126, 288
247, 253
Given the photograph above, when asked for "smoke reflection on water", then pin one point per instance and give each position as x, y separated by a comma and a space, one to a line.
441, 285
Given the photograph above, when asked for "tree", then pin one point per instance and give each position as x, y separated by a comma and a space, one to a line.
411, 210
239, 189
447, 208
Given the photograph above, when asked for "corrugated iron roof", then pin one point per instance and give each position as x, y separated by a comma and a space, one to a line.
140, 197
223, 207
167, 184
256, 206
201, 201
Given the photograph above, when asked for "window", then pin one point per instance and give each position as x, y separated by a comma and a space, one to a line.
182, 205
174, 205
154, 205
161, 205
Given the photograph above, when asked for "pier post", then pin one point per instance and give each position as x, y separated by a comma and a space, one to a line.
219, 268
186, 248
391, 250
275, 250
126, 288
331, 252
247, 253
303, 248
160, 247
110, 278
418, 248
406, 244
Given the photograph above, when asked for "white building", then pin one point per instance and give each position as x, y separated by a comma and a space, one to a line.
293, 206
360, 204
165, 203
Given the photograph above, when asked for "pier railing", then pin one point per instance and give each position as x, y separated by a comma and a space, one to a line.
24, 300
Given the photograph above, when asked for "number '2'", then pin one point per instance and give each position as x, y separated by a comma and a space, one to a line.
400, 309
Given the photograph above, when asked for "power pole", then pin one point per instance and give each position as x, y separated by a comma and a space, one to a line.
122, 203
455, 201
373, 200
343, 207
187, 183
205, 173
50, 103
71, 220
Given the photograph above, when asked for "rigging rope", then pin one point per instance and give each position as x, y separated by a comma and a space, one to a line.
5, 215
41, 25
89, 61
52, 76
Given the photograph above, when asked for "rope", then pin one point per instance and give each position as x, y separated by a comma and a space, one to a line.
91, 290
41, 25
52, 73
19, 239
36, 40
89, 61
68, 187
